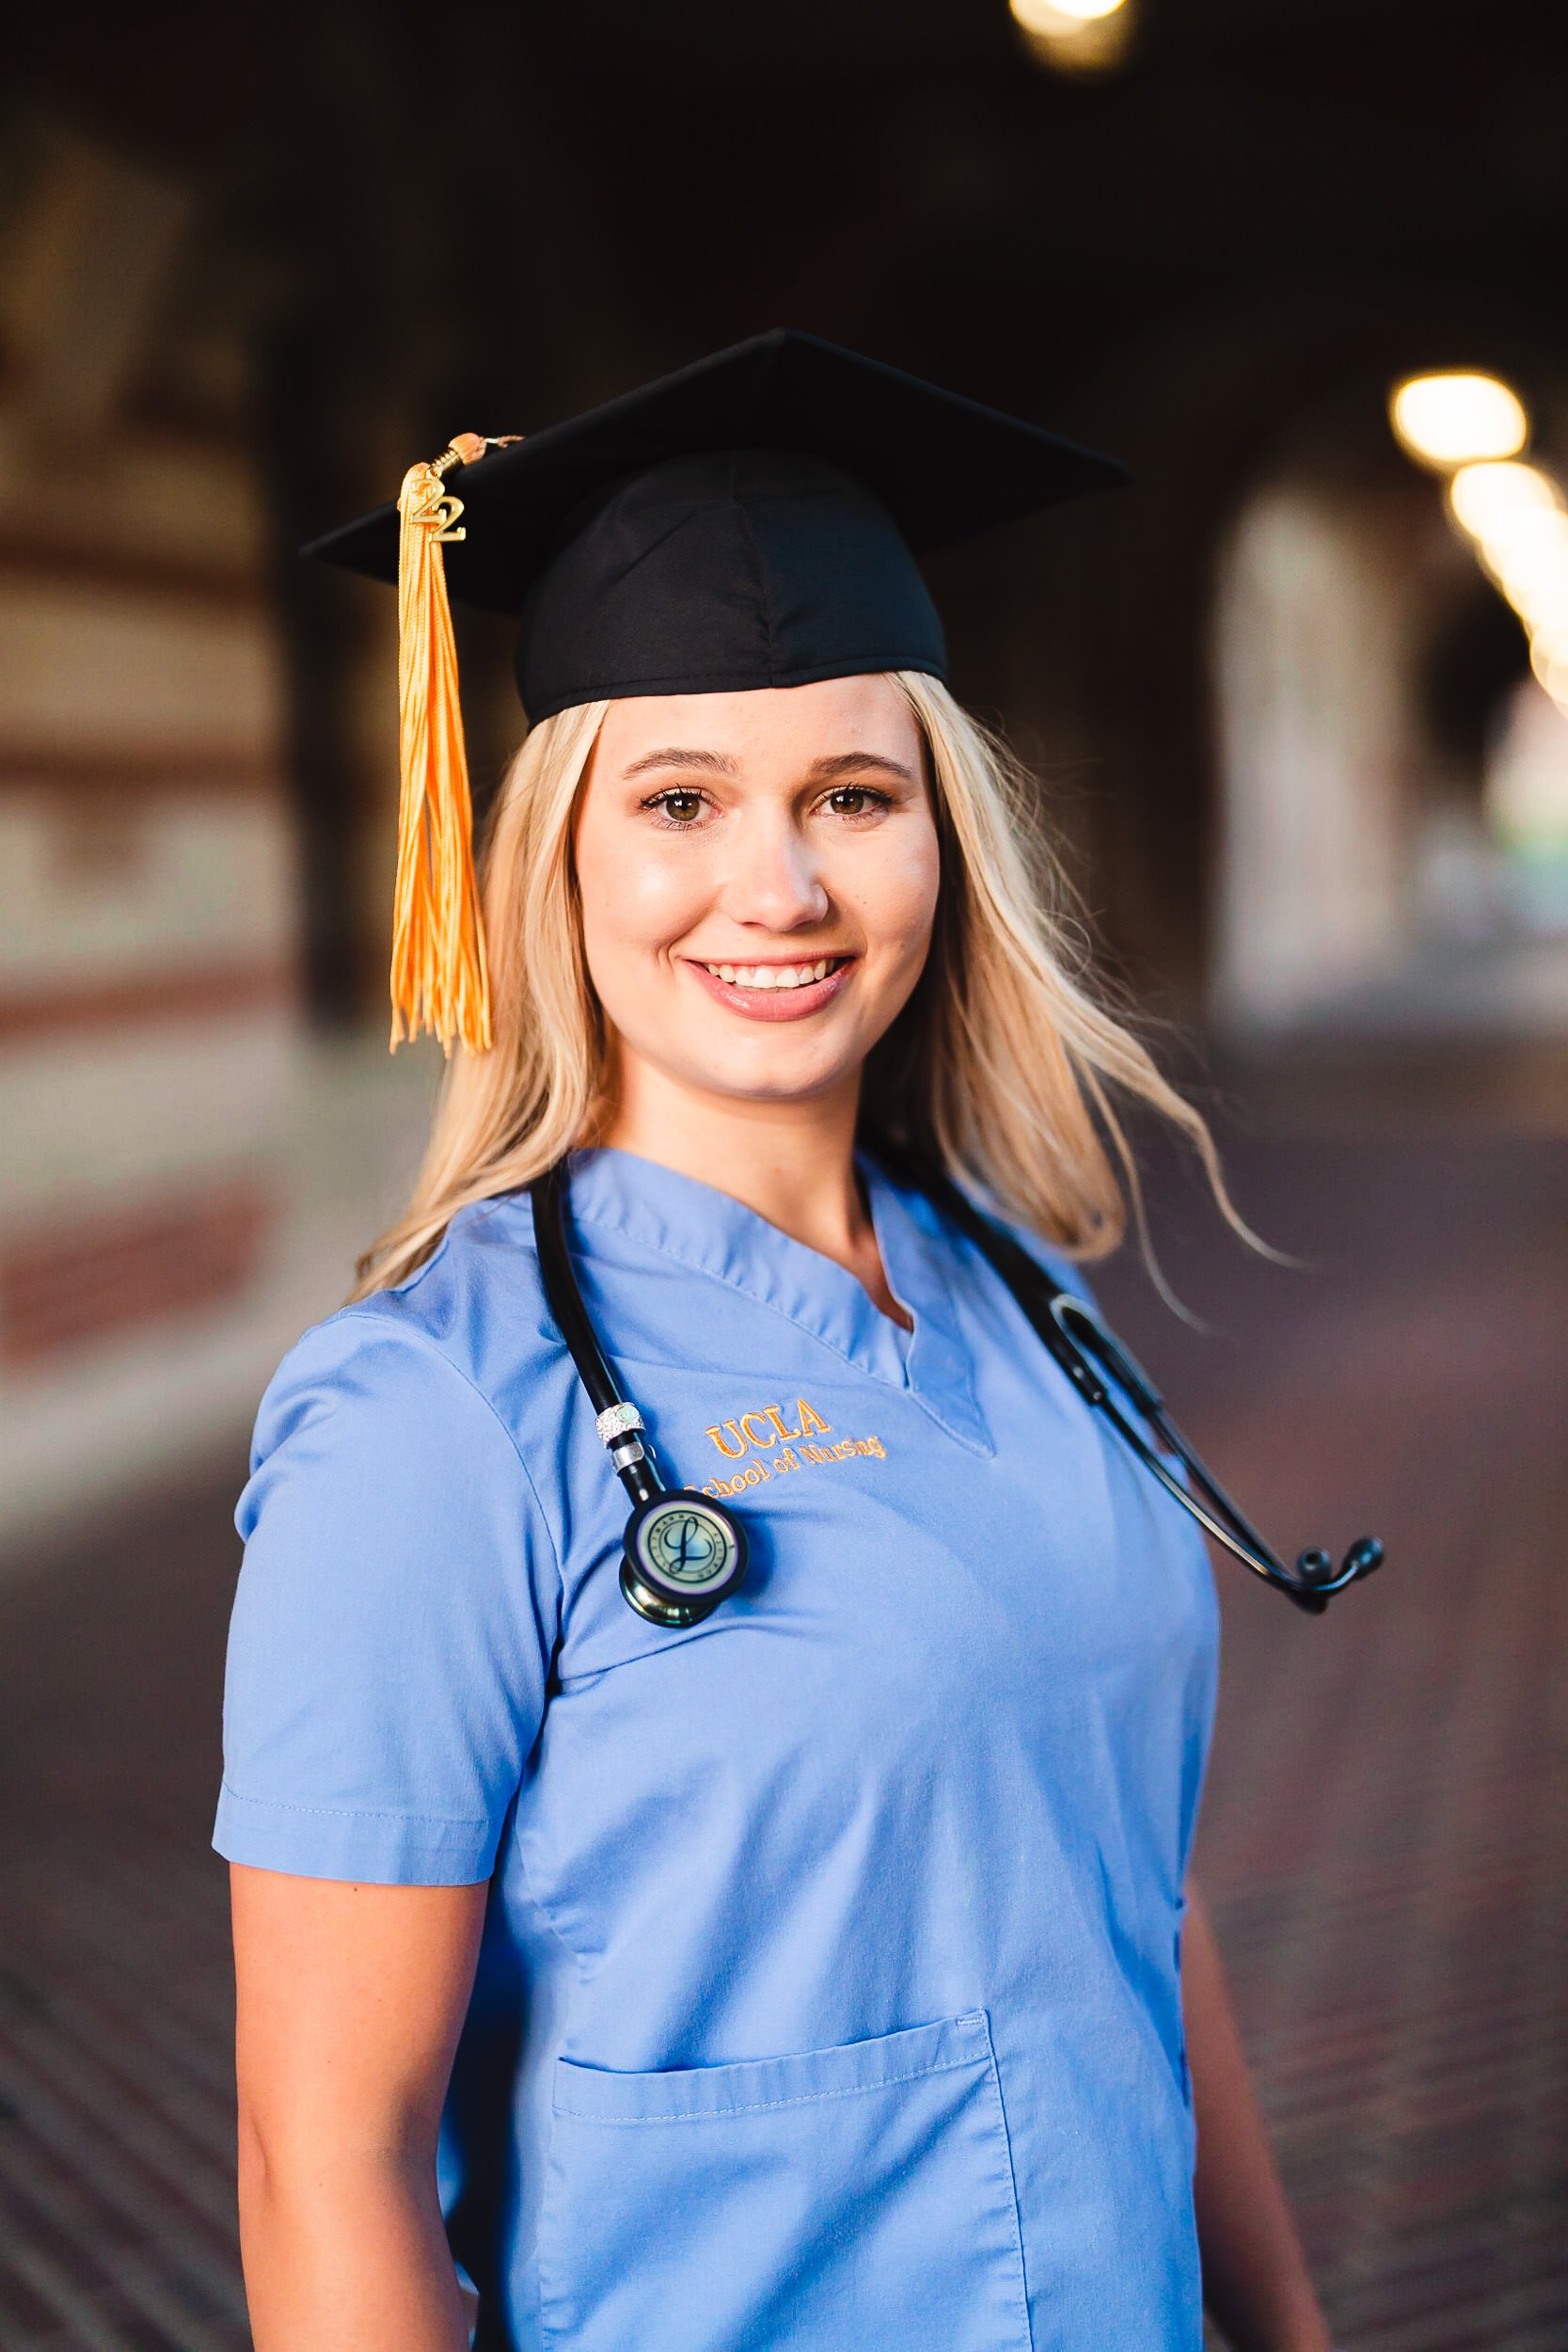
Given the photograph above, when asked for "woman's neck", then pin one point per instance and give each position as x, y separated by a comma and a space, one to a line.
793, 1162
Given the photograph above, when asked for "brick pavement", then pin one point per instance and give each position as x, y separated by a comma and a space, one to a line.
1382, 1840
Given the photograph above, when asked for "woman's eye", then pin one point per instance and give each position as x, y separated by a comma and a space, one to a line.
856, 800
677, 807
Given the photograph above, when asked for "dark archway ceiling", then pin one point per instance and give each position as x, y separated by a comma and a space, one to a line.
1242, 135
563, 195
499, 210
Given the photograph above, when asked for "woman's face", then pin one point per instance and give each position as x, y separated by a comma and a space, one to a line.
759, 876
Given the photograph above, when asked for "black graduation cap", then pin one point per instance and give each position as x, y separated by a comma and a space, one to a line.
747, 522
752, 520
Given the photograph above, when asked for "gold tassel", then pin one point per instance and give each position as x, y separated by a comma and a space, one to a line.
439, 981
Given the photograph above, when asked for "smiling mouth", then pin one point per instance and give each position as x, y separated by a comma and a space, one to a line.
774, 975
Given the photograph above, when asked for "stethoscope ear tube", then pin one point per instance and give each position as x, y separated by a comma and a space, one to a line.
548, 1194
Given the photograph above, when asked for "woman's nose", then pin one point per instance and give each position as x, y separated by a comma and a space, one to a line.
773, 880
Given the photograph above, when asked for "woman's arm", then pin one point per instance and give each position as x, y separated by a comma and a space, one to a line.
350, 2002
1255, 2280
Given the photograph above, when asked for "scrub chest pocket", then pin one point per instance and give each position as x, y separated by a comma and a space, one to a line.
857, 2197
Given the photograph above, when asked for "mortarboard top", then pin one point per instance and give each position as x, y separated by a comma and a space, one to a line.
746, 521
752, 520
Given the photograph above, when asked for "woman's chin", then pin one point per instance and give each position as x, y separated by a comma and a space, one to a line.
769, 1070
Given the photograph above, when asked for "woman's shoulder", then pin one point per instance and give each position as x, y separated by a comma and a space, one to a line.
471, 1318
400, 1596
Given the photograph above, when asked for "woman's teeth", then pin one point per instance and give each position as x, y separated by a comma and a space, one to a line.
773, 975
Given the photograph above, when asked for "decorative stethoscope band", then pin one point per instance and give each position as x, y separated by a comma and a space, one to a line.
685, 1552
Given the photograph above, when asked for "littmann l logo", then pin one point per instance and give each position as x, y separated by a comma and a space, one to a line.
686, 1543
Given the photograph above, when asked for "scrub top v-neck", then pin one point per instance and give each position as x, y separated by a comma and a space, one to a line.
829, 1991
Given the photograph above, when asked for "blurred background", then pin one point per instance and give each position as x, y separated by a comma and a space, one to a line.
1297, 705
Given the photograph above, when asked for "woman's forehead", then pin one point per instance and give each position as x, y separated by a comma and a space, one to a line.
736, 732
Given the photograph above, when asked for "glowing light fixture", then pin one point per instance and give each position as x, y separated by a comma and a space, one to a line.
1493, 497
1548, 658
1045, 16
1515, 515
1527, 557
1523, 564
1076, 36
1458, 419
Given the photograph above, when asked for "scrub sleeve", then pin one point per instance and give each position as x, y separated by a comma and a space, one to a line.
393, 1623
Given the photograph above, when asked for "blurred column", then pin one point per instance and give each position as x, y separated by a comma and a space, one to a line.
184, 1177
1315, 746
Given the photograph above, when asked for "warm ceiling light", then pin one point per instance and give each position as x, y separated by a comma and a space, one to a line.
1077, 37
1539, 597
1550, 645
1529, 544
1548, 658
1061, 16
1540, 606
1495, 499
1447, 421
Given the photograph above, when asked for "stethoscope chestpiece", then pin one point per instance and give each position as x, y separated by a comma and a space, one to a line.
685, 1554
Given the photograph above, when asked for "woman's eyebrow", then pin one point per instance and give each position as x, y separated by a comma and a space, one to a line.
842, 762
716, 763
719, 763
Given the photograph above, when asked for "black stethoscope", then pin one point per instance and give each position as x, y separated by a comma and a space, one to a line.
685, 1552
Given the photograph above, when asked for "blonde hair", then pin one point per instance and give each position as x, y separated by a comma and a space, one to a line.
1003, 1066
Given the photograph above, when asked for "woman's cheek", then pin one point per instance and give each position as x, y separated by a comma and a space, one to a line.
896, 911
662, 900
650, 904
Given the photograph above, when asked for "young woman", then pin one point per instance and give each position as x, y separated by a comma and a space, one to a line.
820, 1971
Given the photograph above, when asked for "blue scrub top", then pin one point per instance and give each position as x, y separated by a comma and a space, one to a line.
829, 1993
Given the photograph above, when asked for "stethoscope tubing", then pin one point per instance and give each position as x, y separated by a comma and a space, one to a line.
1051, 1311
633, 1460
1073, 1333
682, 1553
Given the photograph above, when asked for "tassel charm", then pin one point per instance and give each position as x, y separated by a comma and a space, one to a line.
440, 979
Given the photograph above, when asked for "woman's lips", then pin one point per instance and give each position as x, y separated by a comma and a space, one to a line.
774, 1004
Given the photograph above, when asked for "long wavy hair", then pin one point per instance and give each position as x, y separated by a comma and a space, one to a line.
1006, 1065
